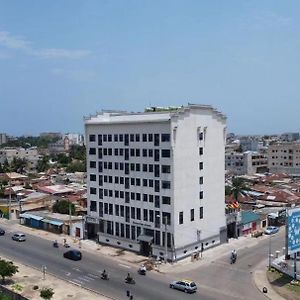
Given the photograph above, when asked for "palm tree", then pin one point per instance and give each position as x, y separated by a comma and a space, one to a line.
238, 185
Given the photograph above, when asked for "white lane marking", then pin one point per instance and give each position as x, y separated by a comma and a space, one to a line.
76, 269
68, 274
94, 276
124, 266
85, 278
76, 282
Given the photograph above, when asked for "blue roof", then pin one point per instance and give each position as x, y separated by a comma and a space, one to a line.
249, 217
30, 216
53, 222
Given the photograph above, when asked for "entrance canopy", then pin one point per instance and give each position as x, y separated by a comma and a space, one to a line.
145, 238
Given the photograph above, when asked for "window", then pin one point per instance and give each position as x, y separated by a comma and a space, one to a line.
116, 151
100, 139
138, 213
132, 212
92, 164
150, 182
165, 184
145, 213
201, 212
201, 195
165, 137
132, 233
116, 166
201, 136
150, 154
201, 180
151, 215
181, 217
156, 155
117, 210
109, 138
92, 151
132, 138
165, 153
192, 214
156, 201
121, 137
138, 196
137, 152
156, 186
104, 137
92, 138
144, 152
92, 177
132, 167
137, 137
110, 211
165, 169
100, 209
106, 208
145, 197
100, 193
156, 171
109, 151
132, 152
132, 196
166, 200
126, 140
115, 137
150, 137
156, 139
93, 191
201, 150
144, 137
201, 165
166, 217
151, 168
137, 167
93, 206
122, 210
145, 169
145, 182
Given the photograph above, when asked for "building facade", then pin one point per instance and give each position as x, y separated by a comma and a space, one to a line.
284, 158
248, 162
156, 180
30, 154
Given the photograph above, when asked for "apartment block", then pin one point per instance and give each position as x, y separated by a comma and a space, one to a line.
156, 180
284, 158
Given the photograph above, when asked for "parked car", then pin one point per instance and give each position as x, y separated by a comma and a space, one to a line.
271, 230
187, 286
2, 231
73, 255
19, 237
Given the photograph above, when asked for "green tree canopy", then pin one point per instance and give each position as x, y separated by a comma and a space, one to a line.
46, 293
62, 207
238, 184
7, 269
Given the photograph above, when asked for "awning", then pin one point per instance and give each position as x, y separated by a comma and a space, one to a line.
30, 216
145, 238
53, 222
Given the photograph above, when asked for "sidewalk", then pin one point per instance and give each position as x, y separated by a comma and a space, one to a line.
27, 278
261, 281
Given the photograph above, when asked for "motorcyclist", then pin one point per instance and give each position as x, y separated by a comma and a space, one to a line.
233, 255
129, 278
104, 274
55, 244
143, 269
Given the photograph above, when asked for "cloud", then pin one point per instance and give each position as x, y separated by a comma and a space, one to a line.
13, 42
19, 43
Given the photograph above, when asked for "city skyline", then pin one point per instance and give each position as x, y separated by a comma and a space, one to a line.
61, 61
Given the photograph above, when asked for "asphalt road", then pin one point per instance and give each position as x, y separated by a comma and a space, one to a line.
218, 280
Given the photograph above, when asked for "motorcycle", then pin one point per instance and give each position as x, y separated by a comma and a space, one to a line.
233, 259
129, 280
104, 276
142, 271
55, 244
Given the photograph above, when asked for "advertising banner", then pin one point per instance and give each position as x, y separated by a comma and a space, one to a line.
293, 230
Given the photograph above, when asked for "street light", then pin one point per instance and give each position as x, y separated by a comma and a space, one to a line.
270, 251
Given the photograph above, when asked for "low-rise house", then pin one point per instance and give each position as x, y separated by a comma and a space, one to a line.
250, 222
55, 222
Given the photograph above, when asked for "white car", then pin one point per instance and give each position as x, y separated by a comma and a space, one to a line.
19, 237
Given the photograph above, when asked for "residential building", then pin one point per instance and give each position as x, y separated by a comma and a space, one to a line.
3, 138
30, 154
249, 143
290, 136
156, 179
248, 162
75, 138
284, 158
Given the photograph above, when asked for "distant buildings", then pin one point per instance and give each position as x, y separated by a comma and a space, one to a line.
3, 138
290, 136
284, 157
248, 162
156, 179
30, 154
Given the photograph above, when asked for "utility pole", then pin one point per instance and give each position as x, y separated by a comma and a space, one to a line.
270, 253
9, 205
70, 210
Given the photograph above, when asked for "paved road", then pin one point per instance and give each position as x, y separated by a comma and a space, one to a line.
236, 281
218, 280
37, 252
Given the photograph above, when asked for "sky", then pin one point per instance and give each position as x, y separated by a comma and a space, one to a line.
62, 60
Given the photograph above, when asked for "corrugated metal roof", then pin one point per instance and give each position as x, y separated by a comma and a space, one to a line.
249, 217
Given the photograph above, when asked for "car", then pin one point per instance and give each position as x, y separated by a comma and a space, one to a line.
73, 255
271, 230
19, 237
188, 286
2, 231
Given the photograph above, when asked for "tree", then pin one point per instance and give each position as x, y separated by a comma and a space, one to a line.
6, 167
18, 164
43, 164
7, 269
46, 293
76, 166
238, 184
62, 207
78, 152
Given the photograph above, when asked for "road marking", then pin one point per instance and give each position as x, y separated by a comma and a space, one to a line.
76, 282
86, 278
68, 274
94, 276
124, 266
76, 269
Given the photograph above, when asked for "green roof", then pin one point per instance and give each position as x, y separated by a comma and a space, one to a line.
249, 217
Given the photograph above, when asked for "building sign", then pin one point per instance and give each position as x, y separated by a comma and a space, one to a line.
293, 228
92, 220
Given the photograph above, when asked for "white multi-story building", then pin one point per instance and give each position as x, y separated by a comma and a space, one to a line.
30, 154
3, 138
154, 173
